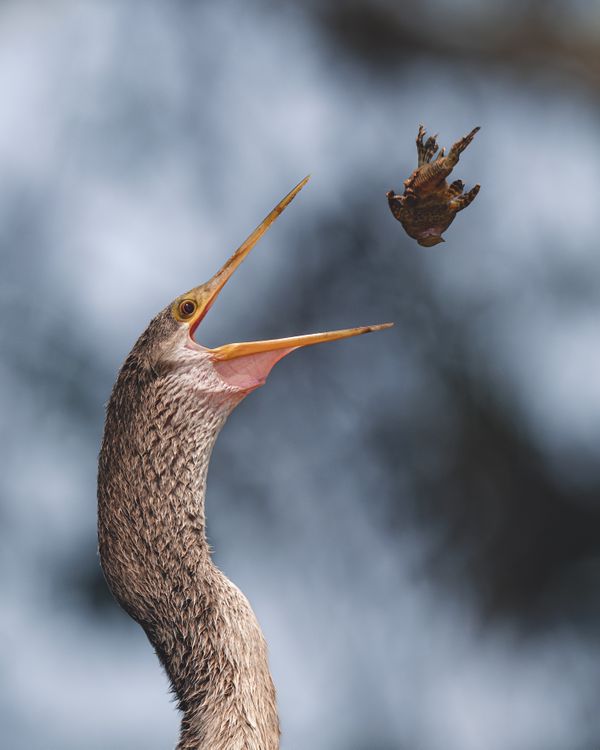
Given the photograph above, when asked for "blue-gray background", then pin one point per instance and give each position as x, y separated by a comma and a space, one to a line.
413, 514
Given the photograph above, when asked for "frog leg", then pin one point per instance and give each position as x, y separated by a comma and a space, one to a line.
396, 203
425, 149
459, 147
462, 201
456, 189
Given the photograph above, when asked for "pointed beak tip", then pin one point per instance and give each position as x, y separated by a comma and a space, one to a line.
298, 187
233, 351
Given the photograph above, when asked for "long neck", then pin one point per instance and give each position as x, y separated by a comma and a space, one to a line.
153, 549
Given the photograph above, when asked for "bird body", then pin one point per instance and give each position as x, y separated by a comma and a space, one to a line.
169, 403
429, 205
160, 431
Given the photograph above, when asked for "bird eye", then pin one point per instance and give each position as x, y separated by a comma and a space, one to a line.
187, 308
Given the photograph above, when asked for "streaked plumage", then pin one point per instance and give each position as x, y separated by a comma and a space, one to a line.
170, 400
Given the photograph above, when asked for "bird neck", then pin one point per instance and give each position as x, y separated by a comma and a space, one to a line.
151, 487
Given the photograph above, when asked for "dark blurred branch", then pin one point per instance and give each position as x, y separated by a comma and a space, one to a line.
532, 38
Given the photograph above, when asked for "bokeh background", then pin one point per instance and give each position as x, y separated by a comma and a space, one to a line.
414, 514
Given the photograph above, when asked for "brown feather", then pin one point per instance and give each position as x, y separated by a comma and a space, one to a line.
160, 430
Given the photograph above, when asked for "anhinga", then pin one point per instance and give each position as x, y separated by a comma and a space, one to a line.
170, 401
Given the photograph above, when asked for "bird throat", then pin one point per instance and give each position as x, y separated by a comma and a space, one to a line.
251, 371
153, 549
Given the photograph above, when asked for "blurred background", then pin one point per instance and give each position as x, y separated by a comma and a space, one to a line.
415, 514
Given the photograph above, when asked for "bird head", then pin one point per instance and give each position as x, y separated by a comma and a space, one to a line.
168, 345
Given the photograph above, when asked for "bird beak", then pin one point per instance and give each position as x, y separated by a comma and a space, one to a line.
232, 351
207, 294
212, 288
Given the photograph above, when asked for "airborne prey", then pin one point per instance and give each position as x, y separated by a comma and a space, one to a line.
429, 205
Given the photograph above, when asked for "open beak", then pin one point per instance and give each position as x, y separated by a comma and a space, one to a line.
231, 351
212, 288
